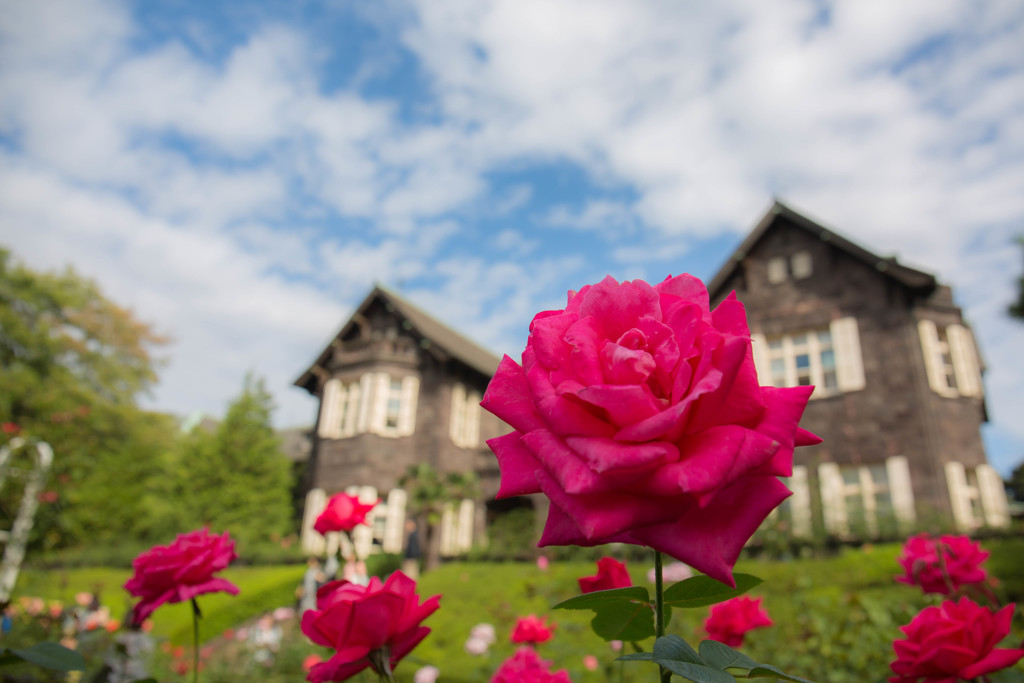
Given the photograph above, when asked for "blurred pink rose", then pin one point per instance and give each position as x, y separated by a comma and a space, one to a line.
180, 571
954, 641
476, 646
590, 662
673, 571
484, 632
525, 666
343, 513
362, 623
532, 629
310, 661
942, 565
637, 411
610, 574
542, 563
730, 620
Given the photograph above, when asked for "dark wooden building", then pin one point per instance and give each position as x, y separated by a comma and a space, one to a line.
396, 388
899, 399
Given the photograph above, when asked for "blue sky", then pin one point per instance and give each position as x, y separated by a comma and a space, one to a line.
240, 174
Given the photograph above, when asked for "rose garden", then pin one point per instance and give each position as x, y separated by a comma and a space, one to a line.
638, 413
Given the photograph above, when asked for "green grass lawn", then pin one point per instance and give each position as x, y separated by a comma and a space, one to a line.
835, 617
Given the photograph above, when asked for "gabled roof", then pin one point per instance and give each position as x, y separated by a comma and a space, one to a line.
440, 335
917, 280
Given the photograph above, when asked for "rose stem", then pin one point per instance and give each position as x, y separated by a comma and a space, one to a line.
195, 640
659, 612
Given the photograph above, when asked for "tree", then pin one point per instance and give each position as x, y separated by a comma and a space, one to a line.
236, 478
428, 494
72, 364
1016, 309
1016, 483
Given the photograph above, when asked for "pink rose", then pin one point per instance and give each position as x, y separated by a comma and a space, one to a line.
610, 574
954, 641
942, 565
362, 623
532, 629
180, 571
731, 619
637, 411
526, 665
343, 513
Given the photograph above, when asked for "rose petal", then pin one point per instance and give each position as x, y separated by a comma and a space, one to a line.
508, 397
518, 466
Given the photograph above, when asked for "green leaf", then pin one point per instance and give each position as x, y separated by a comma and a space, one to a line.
624, 620
696, 672
701, 591
674, 648
636, 657
722, 656
767, 671
52, 656
598, 598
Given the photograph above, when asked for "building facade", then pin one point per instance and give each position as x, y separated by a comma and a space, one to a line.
899, 399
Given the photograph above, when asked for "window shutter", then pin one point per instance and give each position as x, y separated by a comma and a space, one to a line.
362, 535
993, 496
759, 349
457, 421
901, 493
965, 360
846, 346
833, 499
472, 430
464, 540
355, 403
933, 364
379, 402
448, 530
959, 496
407, 410
365, 402
312, 542
331, 404
394, 525
800, 502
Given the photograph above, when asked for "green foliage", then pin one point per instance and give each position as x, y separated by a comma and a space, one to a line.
71, 366
701, 591
52, 656
235, 478
428, 494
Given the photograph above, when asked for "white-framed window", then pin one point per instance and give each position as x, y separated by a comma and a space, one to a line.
457, 527
376, 403
464, 427
827, 357
795, 512
950, 359
977, 496
865, 500
798, 266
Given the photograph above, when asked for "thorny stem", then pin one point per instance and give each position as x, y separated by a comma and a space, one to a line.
195, 640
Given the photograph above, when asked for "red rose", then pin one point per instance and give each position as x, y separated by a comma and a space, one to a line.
343, 513
943, 565
366, 625
956, 640
181, 571
638, 412
10, 428
532, 629
526, 665
731, 619
610, 574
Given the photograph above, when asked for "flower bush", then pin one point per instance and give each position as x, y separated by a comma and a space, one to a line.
367, 626
729, 621
638, 413
180, 571
943, 565
954, 641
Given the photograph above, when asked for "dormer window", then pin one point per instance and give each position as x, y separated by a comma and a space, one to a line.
801, 265
777, 270
378, 403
